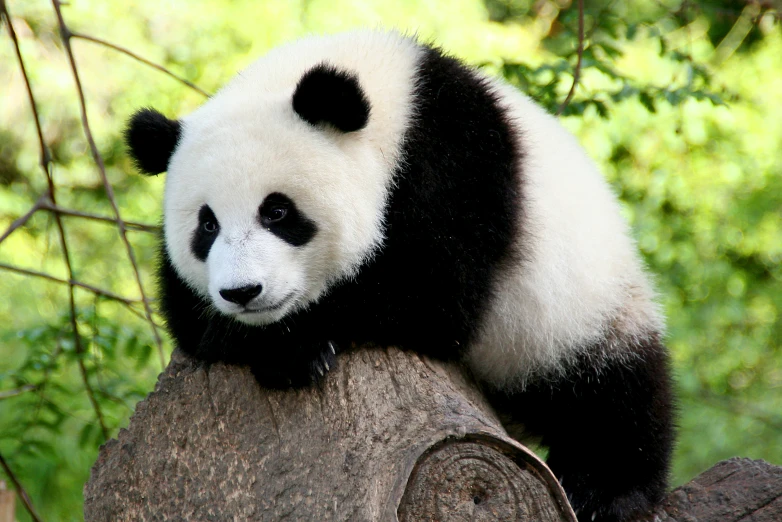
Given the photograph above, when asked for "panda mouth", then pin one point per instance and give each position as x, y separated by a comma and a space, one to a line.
271, 308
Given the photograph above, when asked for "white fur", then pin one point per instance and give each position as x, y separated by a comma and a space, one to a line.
247, 142
581, 273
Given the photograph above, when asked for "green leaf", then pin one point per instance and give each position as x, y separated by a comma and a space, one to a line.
647, 101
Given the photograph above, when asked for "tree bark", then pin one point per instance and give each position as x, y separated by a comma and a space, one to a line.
388, 435
733, 490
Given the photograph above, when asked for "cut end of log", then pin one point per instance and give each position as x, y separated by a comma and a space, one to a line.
480, 479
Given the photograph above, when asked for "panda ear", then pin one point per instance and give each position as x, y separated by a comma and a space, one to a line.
326, 94
151, 139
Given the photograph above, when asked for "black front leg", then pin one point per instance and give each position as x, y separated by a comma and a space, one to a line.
277, 356
609, 428
295, 362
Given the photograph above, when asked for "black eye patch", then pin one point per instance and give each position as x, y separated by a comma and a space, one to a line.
205, 233
279, 215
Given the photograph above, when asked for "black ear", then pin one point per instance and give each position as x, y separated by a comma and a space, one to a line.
151, 139
327, 95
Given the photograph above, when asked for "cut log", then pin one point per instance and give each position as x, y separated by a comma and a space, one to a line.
733, 490
388, 435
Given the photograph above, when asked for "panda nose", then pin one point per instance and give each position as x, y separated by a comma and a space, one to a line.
241, 295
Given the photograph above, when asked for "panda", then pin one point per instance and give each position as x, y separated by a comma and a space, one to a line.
367, 188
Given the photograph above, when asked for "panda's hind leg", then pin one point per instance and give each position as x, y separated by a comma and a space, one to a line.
608, 427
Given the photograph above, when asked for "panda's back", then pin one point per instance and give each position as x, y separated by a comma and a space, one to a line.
580, 282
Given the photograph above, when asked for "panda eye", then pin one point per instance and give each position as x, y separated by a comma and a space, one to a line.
274, 209
207, 221
274, 213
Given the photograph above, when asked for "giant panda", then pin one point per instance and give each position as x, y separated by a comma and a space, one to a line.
368, 188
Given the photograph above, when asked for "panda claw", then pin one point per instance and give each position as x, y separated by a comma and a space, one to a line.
331, 347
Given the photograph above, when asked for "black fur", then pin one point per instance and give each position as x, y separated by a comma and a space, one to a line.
187, 315
453, 222
203, 239
151, 139
608, 424
295, 228
326, 94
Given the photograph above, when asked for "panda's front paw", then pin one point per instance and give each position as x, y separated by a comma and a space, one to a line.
301, 365
326, 360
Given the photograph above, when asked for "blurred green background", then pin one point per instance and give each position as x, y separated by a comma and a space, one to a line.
681, 104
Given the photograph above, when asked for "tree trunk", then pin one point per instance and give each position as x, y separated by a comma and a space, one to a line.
387, 436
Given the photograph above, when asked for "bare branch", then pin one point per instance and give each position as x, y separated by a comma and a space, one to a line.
66, 34
45, 156
19, 489
140, 59
130, 225
21, 220
91, 394
7, 394
44, 203
580, 51
94, 289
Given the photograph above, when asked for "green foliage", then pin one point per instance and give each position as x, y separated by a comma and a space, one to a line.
49, 431
677, 101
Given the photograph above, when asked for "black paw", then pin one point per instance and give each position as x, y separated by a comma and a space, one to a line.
297, 366
324, 362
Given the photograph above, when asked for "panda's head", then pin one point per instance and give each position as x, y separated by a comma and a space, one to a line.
272, 194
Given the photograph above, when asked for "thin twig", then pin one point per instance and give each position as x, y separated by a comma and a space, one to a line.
44, 203
84, 376
7, 394
95, 290
130, 225
46, 167
140, 314
65, 35
21, 220
580, 51
45, 156
19, 489
140, 59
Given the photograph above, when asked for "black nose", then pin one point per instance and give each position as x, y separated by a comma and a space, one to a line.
241, 295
